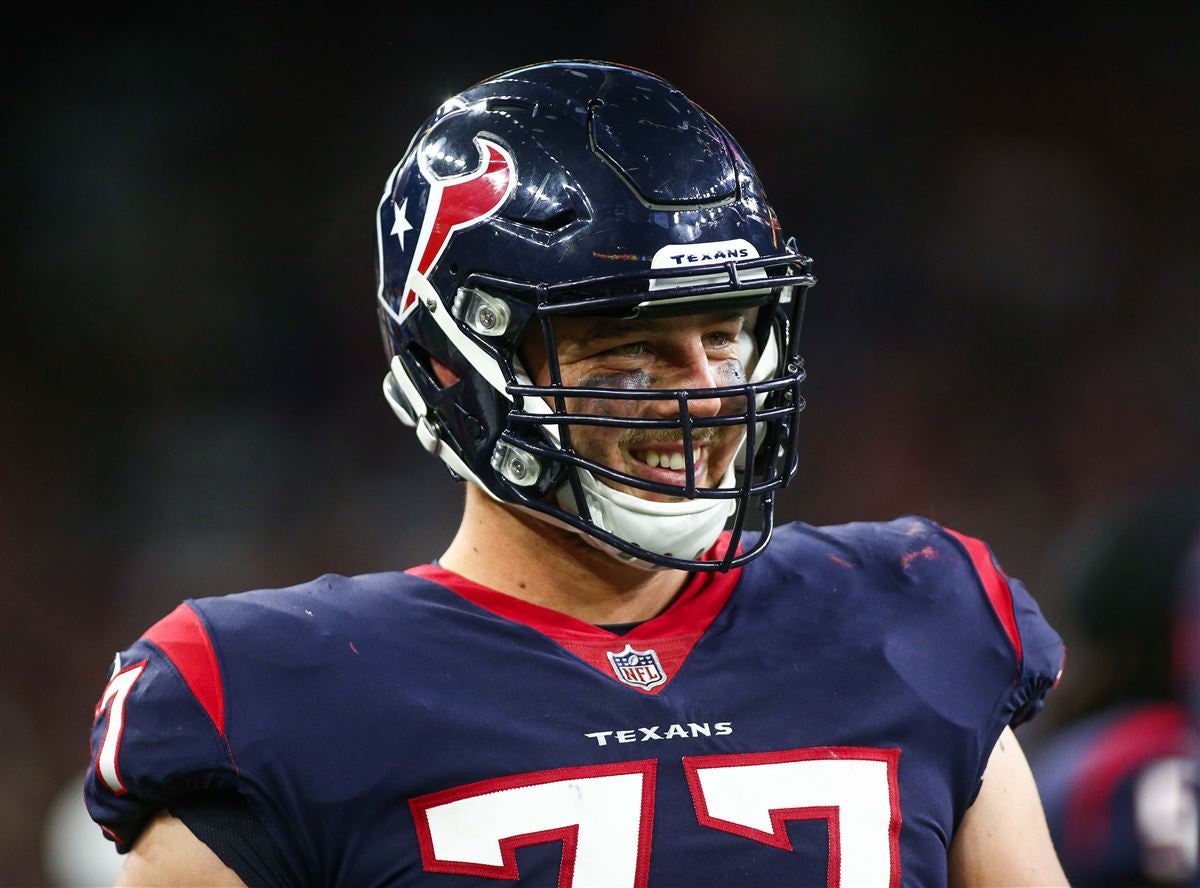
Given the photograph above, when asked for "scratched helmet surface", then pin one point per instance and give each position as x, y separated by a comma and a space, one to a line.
578, 188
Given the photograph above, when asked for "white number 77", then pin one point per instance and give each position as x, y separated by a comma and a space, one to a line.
603, 814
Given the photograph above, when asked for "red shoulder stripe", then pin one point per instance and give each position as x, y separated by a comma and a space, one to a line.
995, 584
182, 637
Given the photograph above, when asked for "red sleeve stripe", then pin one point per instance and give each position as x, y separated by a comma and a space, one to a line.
182, 637
995, 584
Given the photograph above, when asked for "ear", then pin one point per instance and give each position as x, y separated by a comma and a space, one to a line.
445, 376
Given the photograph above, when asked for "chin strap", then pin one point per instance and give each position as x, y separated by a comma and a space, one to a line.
684, 529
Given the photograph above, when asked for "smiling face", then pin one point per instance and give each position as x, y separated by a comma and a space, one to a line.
688, 352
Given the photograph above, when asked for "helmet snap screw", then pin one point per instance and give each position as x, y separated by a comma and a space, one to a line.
515, 465
487, 318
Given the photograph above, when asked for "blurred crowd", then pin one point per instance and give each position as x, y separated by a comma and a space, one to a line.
1000, 200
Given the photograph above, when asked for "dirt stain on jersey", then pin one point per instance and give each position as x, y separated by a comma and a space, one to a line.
928, 554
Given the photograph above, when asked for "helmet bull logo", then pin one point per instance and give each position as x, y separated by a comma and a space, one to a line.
455, 203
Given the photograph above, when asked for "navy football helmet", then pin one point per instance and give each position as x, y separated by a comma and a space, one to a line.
578, 188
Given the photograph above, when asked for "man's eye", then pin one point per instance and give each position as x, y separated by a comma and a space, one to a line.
719, 339
629, 350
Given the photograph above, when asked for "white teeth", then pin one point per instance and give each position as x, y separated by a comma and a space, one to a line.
673, 461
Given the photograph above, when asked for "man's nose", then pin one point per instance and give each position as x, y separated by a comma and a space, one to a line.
691, 369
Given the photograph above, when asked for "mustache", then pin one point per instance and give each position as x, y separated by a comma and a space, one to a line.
670, 436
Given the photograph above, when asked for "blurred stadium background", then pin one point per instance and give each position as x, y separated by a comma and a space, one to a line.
1000, 198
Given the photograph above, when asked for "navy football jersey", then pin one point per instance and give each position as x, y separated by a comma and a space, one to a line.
821, 716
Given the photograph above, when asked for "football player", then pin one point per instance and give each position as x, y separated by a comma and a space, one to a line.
1119, 782
609, 678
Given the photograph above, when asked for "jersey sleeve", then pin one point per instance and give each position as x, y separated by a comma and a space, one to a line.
159, 729
1037, 650
1043, 661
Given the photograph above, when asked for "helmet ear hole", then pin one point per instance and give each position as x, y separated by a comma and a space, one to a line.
443, 374
435, 376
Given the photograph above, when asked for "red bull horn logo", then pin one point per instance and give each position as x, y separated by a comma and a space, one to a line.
456, 203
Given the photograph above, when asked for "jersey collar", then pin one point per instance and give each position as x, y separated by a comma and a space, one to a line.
670, 636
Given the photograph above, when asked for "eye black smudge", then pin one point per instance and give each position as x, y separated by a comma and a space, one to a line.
733, 373
635, 380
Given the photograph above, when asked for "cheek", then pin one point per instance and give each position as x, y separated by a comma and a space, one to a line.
595, 442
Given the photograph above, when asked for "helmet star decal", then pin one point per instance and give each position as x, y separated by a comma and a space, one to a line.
402, 226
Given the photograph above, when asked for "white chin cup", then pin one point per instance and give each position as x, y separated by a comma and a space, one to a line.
684, 529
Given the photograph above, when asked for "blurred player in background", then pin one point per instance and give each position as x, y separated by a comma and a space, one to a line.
1120, 783
620, 672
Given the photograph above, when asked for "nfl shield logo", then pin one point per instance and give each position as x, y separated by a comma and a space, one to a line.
639, 669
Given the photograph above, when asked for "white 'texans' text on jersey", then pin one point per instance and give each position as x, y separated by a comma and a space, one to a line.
659, 732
